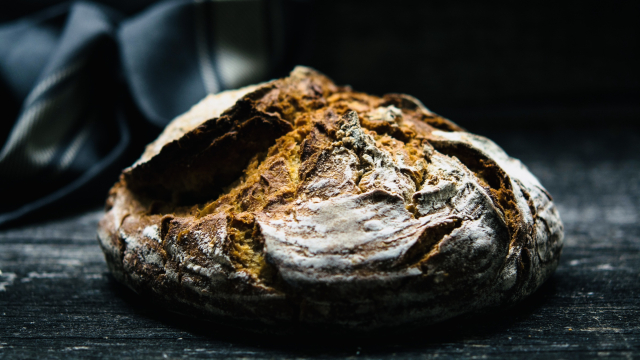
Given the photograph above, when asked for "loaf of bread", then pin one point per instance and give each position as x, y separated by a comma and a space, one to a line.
302, 204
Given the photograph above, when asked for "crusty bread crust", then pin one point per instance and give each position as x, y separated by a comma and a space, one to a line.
301, 203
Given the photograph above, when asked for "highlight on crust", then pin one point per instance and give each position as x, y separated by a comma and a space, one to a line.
299, 202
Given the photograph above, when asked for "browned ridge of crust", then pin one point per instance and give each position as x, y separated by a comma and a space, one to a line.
235, 217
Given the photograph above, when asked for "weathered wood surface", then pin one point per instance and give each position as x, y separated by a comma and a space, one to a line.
57, 299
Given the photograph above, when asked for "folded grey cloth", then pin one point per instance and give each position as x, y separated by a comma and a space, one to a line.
82, 83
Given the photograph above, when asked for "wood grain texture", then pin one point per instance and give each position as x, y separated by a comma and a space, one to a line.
57, 299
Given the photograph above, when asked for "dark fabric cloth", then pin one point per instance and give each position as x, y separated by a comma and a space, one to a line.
84, 85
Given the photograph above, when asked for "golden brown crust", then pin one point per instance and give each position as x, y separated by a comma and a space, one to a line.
309, 203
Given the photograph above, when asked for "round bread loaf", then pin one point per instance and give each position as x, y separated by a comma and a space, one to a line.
299, 203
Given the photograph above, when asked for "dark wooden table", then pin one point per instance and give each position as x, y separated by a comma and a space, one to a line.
57, 299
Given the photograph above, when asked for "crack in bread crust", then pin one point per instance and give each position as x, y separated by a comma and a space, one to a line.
306, 203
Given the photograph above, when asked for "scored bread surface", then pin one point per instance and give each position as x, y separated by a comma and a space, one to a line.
299, 202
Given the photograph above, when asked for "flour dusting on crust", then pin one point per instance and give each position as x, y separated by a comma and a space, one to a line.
302, 203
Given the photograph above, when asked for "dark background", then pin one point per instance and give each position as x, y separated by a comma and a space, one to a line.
478, 63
